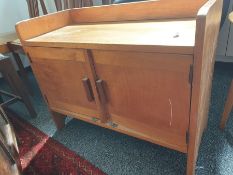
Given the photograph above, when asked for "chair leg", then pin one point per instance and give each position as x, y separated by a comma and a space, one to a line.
59, 119
23, 94
228, 107
22, 71
17, 86
1, 99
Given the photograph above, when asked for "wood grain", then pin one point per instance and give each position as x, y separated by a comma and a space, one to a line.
93, 78
59, 73
139, 89
208, 22
174, 36
157, 9
31, 28
150, 59
123, 129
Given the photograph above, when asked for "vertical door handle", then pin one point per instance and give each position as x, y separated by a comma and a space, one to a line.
100, 88
88, 89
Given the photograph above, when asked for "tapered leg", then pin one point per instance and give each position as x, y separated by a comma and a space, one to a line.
59, 119
191, 159
228, 107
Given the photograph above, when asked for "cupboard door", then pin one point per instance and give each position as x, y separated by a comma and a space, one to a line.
147, 94
63, 79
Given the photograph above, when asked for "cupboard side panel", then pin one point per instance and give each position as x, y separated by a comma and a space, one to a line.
208, 23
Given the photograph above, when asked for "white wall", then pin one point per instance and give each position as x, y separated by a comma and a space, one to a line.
12, 11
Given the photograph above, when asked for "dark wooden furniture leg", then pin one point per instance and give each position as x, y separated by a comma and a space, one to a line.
10, 74
228, 107
59, 119
15, 49
1, 99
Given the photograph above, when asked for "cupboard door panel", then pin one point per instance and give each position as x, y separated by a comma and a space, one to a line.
147, 93
62, 76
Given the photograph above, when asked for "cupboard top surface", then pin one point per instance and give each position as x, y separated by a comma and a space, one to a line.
170, 36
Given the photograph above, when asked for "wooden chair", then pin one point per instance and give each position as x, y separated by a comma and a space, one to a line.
68, 4
20, 93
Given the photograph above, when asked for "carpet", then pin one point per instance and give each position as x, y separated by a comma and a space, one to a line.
42, 155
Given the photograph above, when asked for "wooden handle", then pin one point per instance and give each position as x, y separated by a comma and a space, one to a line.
88, 89
100, 88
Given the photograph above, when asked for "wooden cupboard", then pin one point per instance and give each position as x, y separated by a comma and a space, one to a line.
145, 74
61, 74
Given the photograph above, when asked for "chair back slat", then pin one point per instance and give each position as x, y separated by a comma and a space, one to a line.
71, 3
87, 3
106, 2
77, 3
33, 8
29, 9
44, 9
58, 5
66, 4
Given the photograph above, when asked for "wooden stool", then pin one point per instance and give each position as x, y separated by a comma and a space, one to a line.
228, 107
20, 93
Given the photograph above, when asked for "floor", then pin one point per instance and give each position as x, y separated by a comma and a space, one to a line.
118, 154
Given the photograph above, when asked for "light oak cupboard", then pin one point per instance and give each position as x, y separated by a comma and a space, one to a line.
146, 74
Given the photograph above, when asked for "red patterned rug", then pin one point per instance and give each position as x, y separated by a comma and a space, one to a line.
42, 155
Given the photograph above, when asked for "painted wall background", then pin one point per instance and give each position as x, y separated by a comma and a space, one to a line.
12, 11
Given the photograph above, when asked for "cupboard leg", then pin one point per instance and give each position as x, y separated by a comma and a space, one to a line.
59, 119
191, 164
228, 107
